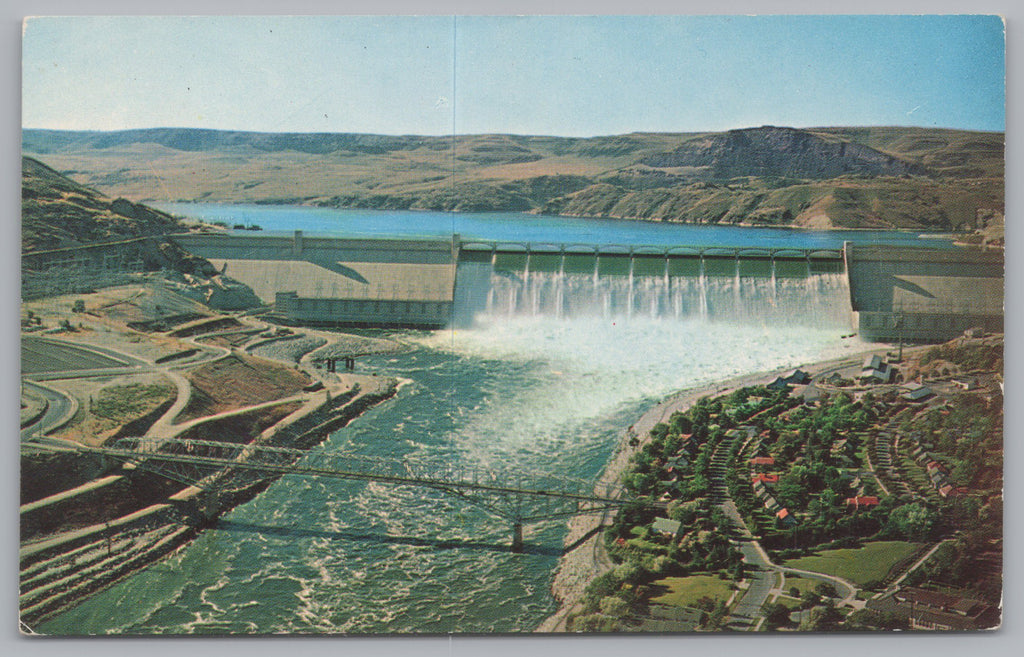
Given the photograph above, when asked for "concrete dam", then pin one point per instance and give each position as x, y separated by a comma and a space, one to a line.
884, 293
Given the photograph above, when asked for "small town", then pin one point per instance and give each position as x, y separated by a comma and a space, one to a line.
859, 499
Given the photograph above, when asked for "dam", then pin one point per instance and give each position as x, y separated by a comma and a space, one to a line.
886, 293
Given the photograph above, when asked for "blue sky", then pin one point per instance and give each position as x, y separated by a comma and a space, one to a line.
560, 75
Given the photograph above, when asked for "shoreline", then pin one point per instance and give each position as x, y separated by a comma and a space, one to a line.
578, 567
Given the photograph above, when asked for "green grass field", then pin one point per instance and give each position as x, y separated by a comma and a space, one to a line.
870, 563
685, 591
801, 584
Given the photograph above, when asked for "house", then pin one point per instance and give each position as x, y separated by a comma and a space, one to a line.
785, 517
966, 383
862, 501
666, 527
877, 376
760, 489
762, 461
938, 478
772, 504
765, 478
916, 392
797, 377
876, 370
933, 610
676, 464
873, 362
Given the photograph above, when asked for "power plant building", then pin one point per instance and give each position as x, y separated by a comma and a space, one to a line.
924, 295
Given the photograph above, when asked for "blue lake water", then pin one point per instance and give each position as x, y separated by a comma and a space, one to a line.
514, 226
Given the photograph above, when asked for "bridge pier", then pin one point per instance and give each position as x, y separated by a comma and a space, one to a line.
517, 537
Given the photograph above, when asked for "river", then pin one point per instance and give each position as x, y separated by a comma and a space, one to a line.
519, 389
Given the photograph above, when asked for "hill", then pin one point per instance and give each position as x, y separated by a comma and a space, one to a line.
883, 177
58, 212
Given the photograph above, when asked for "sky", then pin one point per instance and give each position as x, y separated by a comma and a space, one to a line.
553, 75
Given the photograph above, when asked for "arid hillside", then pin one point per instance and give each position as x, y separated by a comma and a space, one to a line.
885, 177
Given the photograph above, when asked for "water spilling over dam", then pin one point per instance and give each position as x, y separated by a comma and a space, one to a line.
748, 290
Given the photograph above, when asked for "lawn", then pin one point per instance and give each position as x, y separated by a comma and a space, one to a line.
788, 603
686, 591
801, 584
870, 563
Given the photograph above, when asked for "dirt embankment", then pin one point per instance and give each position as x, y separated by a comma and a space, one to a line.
239, 381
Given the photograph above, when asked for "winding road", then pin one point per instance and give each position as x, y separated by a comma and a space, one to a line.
763, 576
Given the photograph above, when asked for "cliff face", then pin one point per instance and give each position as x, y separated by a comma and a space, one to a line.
780, 152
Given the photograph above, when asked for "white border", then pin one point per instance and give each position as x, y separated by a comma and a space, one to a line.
1000, 642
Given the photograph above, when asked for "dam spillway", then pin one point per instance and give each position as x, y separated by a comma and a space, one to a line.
684, 283
436, 283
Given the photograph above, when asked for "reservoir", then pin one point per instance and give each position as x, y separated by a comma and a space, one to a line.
518, 388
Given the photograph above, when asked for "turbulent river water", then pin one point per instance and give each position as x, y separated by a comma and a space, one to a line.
544, 377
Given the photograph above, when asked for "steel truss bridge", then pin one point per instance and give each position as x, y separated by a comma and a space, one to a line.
223, 467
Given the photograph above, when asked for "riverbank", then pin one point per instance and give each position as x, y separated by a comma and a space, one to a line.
588, 559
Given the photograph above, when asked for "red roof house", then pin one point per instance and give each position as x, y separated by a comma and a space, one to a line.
766, 478
858, 502
762, 460
785, 517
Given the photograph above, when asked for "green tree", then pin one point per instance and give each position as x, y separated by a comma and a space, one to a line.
869, 619
809, 599
913, 522
821, 619
777, 616
613, 606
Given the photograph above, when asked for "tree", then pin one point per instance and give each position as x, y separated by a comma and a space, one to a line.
777, 616
825, 590
738, 571
717, 617
613, 606
913, 522
809, 599
821, 619
869, 619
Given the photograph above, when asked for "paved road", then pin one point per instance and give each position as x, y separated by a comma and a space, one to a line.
763, 578
59, 408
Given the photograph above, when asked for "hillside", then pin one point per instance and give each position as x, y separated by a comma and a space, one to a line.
915, 178
58, 212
